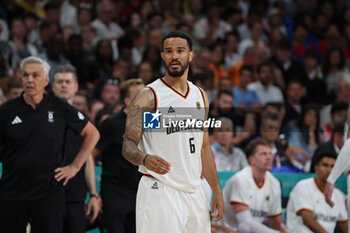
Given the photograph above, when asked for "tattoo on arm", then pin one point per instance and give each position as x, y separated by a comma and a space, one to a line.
144, 101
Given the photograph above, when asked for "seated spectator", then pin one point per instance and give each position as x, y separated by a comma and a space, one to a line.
244, 99
254, 194
264, 88
80, 102
256, 33
93, 108
307, 210
334, 145
14, 89
217, 61
227, 156
303, 136
294, 99
205, 80
222, 106
269, 130
144, 71
110, 92
333, 68
231, 54
290, 67
316, 87
105, 27
338, 117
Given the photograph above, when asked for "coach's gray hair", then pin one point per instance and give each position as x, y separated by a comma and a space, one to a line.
67, 69
30, 60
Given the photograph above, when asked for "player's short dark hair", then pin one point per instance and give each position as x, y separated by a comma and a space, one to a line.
178, 34
246, 67
253, 145
328, 153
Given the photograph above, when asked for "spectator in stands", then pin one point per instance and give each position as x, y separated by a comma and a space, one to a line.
294, 99
231, 54
254, 194
14, 89
88, 34
217, 61
338, 117
270, 131
103, 59
227, 156
80, 102
256, 33
122, 69
47, 32
210, 28
20, 48
264, 88
335, 144
333, 68
303, 136
154, 38
244, 99
317, 87
104, 25
222, 106
201, 61
145, 72
93, 108
53, 11
54, 54
205, 80
151, 54
307, 210
290, 67
110, 92
84, 18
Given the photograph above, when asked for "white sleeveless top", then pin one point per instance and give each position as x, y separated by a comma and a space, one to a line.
180, 148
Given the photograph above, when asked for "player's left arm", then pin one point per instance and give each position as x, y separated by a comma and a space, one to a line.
209, 171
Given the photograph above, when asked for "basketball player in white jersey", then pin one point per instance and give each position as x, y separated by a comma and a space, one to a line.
342, 164
307, 210
169, 197
254, 194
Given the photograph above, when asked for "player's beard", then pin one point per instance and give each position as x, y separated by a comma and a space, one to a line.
179, 73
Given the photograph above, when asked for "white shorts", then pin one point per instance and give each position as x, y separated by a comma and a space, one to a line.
161, 208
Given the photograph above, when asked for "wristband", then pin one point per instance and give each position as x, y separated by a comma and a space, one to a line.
144, 160
96, 195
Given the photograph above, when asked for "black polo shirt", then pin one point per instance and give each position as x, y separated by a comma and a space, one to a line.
75, 190
32, 141
116, 170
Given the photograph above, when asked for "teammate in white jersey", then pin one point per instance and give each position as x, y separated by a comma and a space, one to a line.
307, 210
169, 197
254, 194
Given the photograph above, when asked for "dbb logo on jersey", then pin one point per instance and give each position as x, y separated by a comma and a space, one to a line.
152, 120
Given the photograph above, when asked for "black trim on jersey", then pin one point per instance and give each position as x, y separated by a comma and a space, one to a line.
155, 97
183, 96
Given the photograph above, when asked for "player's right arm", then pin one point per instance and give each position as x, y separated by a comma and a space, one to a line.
144, 101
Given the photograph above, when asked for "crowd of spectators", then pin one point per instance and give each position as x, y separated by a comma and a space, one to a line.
279, 66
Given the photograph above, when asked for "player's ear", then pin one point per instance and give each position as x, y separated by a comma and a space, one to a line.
191, 55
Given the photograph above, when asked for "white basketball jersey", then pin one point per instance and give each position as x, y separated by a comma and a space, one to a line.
306, 195
180, 148
262, 201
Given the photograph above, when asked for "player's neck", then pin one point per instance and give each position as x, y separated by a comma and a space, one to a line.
179, 83
33, 100
321, 184
259, 176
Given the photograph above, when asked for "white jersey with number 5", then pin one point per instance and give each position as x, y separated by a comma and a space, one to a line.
181, 147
